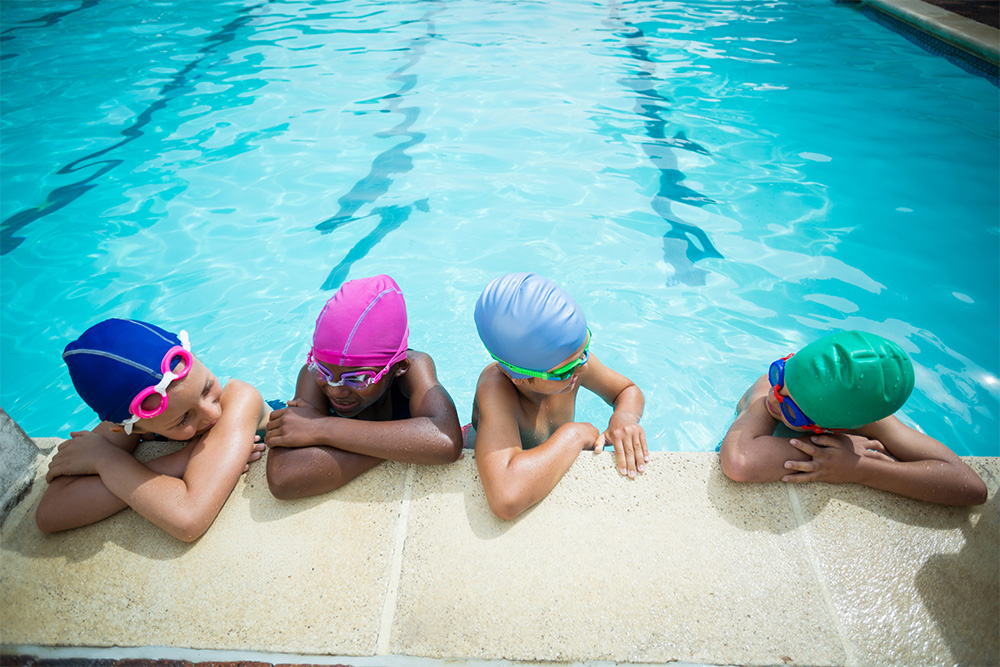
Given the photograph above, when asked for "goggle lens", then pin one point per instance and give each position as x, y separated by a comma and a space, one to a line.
564, 372
152, 401
358, 380
792, 412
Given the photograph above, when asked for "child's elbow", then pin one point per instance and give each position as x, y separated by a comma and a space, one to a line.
51, 518
736, 466
969, 490
977, 493
445, 446
189, 529
505, 506
505, 511
47, 521
453, 448
284, 486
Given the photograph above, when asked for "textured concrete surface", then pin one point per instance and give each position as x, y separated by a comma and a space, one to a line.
680, 565
672, 566
305, 577
913, 584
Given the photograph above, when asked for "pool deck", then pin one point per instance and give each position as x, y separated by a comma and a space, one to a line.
680, 565
975, 32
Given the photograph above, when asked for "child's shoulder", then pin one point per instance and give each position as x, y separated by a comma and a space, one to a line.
418, 357
419, 372
236, 387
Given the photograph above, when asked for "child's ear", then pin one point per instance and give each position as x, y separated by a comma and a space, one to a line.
401, 367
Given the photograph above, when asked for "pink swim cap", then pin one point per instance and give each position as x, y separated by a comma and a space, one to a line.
363, 324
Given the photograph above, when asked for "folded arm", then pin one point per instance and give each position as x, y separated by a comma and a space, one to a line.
890, 456
185, 507
513, 478
886, 455
312, 452
71, 501
431, 435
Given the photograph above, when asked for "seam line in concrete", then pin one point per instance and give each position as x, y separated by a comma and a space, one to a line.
396, 568
800, 519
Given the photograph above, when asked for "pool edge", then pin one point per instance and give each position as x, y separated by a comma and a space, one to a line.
707, 569
978, 39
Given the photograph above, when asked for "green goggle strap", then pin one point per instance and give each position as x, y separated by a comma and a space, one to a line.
555, 374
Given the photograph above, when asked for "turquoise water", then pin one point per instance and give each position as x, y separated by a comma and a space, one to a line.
717, 183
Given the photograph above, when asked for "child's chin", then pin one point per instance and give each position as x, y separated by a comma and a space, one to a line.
345, 410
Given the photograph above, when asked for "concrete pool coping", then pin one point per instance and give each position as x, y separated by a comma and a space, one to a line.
979, 39
407, 563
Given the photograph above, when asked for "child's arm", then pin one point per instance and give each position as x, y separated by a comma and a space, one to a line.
71, 501
186, 507
312, 453
431, 435
513, 478
623, 432
885, 455
749, 453
917, 466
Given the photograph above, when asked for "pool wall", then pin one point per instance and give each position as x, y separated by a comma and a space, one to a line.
979, 40
679, 565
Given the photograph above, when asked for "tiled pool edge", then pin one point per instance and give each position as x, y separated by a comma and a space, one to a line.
980, 40
441, 506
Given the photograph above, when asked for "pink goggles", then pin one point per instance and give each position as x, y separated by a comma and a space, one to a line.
177, 352
355, 380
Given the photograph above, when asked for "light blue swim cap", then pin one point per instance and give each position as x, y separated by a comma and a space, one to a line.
529, 321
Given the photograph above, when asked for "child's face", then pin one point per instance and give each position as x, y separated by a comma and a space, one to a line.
774, 408
192, 407
350, 402
561, 386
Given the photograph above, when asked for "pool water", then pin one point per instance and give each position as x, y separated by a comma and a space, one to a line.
716, 182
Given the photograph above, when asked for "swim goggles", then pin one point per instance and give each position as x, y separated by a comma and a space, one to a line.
355, 380
792, 412
558, 374
180, 353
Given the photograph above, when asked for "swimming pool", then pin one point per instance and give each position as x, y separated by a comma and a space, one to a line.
716, 182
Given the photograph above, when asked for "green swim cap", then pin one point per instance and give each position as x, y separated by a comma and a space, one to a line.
849, 379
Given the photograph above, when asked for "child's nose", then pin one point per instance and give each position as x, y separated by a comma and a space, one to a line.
210, 411
337, 392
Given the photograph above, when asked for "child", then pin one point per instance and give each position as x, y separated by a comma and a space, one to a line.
361, 398
523, 415
143, 381
842, 391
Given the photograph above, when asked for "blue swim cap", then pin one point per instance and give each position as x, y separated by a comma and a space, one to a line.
115, 360
529, 321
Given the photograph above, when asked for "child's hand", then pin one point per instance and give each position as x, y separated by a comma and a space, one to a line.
80, 455
629, 441
835, 457
294, 426
585, 431
255, 453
